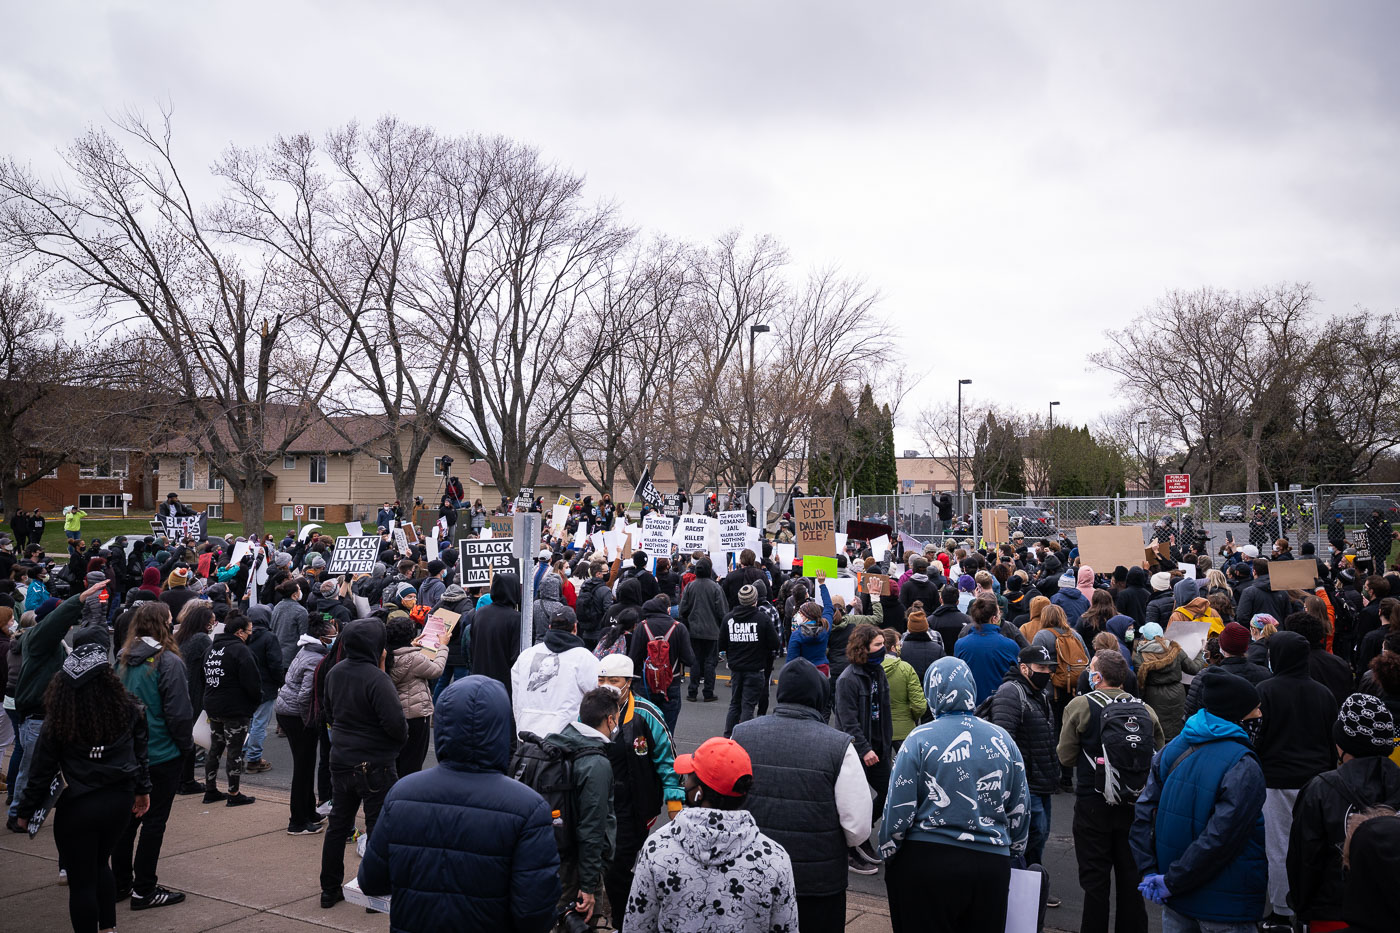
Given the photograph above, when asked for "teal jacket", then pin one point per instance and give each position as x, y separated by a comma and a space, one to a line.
156, 677
597, 824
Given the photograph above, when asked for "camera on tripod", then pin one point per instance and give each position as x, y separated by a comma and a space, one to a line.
446, 463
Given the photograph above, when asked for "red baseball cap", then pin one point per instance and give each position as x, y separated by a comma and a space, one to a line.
718, 763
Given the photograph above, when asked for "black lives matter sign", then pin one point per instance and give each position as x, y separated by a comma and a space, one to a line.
355, 554
482, 557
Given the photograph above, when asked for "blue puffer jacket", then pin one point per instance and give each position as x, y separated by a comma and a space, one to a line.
1203, 828
461, 846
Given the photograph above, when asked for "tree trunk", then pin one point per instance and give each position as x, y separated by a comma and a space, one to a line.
1249, 453
250, 500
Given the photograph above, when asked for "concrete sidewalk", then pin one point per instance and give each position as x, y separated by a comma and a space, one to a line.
240, 871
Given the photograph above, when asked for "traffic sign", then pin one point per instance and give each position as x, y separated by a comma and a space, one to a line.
298, 510
1178, 486
761, 497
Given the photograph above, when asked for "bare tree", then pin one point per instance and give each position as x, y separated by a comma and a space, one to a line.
129, 238
1145, 439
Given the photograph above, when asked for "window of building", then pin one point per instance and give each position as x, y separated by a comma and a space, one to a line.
187, 473
215, 480
106, 501
315, 513
215, 510
289, 462
317, 473
437, 466
105, 466
384, 469
287, 513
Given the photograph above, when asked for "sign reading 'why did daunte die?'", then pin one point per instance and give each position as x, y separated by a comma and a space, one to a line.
816, 527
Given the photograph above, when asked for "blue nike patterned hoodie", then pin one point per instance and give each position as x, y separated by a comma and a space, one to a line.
958, 780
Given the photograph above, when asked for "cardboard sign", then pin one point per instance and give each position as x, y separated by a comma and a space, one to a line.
812, 564
437, 629
1293, 574
525, 499
353, 555
816, 527
480, 558
655, 537
733, 530
867, 531
994, 524
1104, 547
876, 584
410, 533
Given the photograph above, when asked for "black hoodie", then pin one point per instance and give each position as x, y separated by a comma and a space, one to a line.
1132, 599
361, 702
496, 630
1295, 740
750, 637
232, 687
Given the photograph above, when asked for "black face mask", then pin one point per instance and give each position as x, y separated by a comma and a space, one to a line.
1251, 728
1039, 679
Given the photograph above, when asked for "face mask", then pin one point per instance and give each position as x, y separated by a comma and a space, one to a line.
1040, 678
1095, 679
877, 656
1130, 634
1251, 728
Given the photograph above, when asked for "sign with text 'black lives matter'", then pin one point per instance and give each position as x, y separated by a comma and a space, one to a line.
353, 554
482, 557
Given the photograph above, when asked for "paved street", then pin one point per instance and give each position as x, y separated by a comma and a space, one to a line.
244, 873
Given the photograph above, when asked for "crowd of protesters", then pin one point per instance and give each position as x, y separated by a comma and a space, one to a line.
925, 727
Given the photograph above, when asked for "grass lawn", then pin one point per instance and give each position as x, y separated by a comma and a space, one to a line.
56, 546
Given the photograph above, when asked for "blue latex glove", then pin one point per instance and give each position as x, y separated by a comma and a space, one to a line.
1154, 888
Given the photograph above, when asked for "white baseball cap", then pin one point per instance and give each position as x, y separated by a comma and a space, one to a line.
616, 665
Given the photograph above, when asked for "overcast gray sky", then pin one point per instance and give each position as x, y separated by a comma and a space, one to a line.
1013, 177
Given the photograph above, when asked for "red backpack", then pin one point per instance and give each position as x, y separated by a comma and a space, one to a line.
656, 671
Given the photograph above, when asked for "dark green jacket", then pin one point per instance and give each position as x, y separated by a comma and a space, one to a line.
43, 656
597, 825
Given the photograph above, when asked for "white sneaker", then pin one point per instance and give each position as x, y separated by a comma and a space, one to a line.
324, 809
63, 876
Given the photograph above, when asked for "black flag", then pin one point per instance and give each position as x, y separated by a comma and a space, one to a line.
647, 492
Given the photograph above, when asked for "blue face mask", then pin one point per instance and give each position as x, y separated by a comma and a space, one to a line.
876, 657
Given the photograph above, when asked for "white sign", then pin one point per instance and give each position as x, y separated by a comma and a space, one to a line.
354, 529
732, 530
695, 533
879, 546
479, 558
784, 554
656, 536
306, 530
353, 555
558, 517
298, 510
401, 541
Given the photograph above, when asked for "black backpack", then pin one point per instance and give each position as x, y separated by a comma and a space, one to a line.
589, 609
1125, 758
548, 769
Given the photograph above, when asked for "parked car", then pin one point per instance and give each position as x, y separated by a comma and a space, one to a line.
1232, 513
1356, 510
1031, 522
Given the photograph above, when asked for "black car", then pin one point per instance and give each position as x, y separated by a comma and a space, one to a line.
1356, 510
1232, 513
1031, 522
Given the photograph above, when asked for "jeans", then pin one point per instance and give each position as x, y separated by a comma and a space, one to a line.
1106, 864
669, 703
302, 739
28, 738
450, 674
1278, 823
73, 535
744, 687
706, 657
257, 730
139, 874
352, 785
1040, 828
16, 756
226, 736
1173, 922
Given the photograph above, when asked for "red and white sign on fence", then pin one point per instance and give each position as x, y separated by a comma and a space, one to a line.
1178, 490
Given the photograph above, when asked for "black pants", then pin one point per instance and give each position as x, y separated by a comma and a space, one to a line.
1101, 847
323, 770
86, 829
415, 750
226, 736
744, 690
767, 681
617, 876
302, 738
140, 874
935, 888
350, 787
824, 913
878, 777
706, 657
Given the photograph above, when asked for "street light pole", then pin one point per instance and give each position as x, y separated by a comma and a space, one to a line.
1142, 458
754, 331
961, 383
1052, 415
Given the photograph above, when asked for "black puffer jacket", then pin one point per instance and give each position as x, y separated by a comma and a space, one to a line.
1024, 712
361, 702
920, 649
1132, 599
267, 653
1295, 740
1315, 879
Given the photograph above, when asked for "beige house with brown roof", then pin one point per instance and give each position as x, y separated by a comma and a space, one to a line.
334, 469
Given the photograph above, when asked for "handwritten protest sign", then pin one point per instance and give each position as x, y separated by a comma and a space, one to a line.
353, 554
437, 629
525, 499
876, 584
816, 527
733, 532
